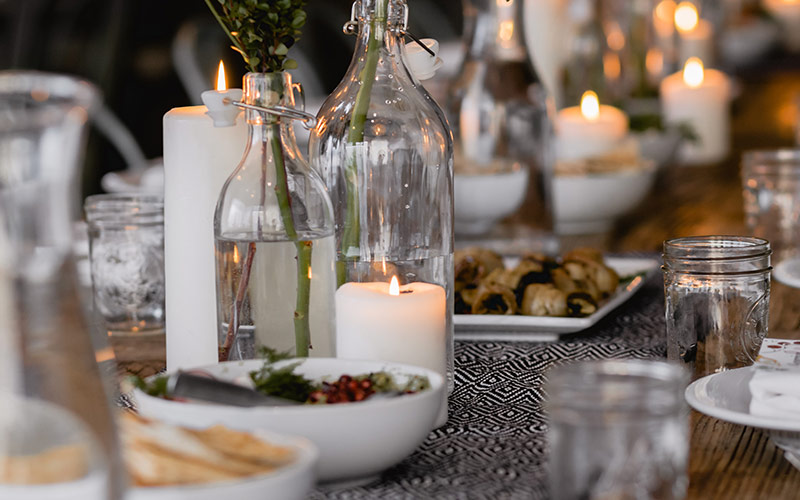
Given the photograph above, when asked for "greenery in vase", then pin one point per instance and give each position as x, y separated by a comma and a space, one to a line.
351, 232
263, 31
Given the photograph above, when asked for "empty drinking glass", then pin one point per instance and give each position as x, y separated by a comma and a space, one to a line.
771, 191
618, 429
717, 300
126, 250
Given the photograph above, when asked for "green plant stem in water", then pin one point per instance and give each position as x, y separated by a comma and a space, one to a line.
302, 334
351, 233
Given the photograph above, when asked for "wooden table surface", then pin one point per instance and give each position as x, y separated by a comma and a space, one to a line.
726, 460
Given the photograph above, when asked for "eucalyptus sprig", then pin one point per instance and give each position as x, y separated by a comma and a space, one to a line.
262, 31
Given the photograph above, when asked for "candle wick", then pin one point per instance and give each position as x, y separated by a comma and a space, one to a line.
406, 291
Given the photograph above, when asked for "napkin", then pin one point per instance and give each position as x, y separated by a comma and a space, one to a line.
775, 386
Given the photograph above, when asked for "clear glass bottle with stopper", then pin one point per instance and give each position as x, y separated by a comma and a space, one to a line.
273, 229
384, 149
499, 113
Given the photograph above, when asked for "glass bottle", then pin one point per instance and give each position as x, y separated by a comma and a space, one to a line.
584, 66
500, 116
273, 228
384, 149
57, 433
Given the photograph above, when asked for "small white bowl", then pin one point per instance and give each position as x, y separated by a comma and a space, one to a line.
483, 199
590, 203
355, 440
292, 482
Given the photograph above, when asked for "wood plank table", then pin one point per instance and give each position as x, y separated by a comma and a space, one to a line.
726, 460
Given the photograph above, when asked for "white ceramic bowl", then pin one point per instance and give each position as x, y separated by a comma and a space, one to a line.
292, 482
482, 200
355, 440
591, 203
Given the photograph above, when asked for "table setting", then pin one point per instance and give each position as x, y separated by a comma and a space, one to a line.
571, 275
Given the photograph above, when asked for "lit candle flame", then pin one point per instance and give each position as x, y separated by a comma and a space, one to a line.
394, 286
235, 255
686, 18
383, 265
590, 105
693, 72
221, 83
309, 272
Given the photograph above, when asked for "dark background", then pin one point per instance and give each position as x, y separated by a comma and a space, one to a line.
125, 48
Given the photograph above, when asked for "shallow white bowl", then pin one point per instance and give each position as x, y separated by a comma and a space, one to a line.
591, 203
355, 440
292, 482
482, 200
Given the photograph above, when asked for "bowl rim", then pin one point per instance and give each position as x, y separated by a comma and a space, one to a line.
436, 380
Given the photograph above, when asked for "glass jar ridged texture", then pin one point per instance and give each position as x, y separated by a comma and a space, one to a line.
717, 300
273, 229
384, 150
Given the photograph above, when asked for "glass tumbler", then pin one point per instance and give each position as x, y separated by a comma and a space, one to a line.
126, 250
618, 429
771, 192
717, 300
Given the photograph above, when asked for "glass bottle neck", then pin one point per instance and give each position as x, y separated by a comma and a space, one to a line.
495, 29
380, 23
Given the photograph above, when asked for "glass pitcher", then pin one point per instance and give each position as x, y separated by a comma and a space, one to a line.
57, 433
499, 113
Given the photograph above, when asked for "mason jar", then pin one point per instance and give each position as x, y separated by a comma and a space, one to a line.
717, 300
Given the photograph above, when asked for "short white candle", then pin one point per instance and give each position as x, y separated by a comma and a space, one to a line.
696, 35
198, 158
698, 97
589, 129
405, 327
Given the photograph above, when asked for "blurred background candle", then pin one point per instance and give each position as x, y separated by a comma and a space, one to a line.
589, 129
696, 34
404, 324
787, 12
698, 97
198, 158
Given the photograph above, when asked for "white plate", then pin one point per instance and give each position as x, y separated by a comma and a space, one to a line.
497, 327
291, 482
726, 396
788, 272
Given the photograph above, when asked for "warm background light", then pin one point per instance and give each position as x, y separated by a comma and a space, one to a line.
686, 17
590, 105
693, 72
221, 83
664, 18
394, 286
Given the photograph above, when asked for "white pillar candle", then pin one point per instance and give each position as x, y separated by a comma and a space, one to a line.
198, 158
698, 97
589, 129
407, 327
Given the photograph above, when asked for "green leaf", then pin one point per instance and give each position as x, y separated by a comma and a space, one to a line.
281, 50
289, 64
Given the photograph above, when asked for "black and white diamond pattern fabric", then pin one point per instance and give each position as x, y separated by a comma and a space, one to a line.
494, 444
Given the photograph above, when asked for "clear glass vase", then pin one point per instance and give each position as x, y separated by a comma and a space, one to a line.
273, 228
57, 433
500, 116
384, 149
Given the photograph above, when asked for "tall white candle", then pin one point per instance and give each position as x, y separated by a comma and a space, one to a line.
198, 158
696, 35
408, 327
698, 97
589, 129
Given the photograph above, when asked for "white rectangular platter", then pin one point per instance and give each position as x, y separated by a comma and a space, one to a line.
494, 327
